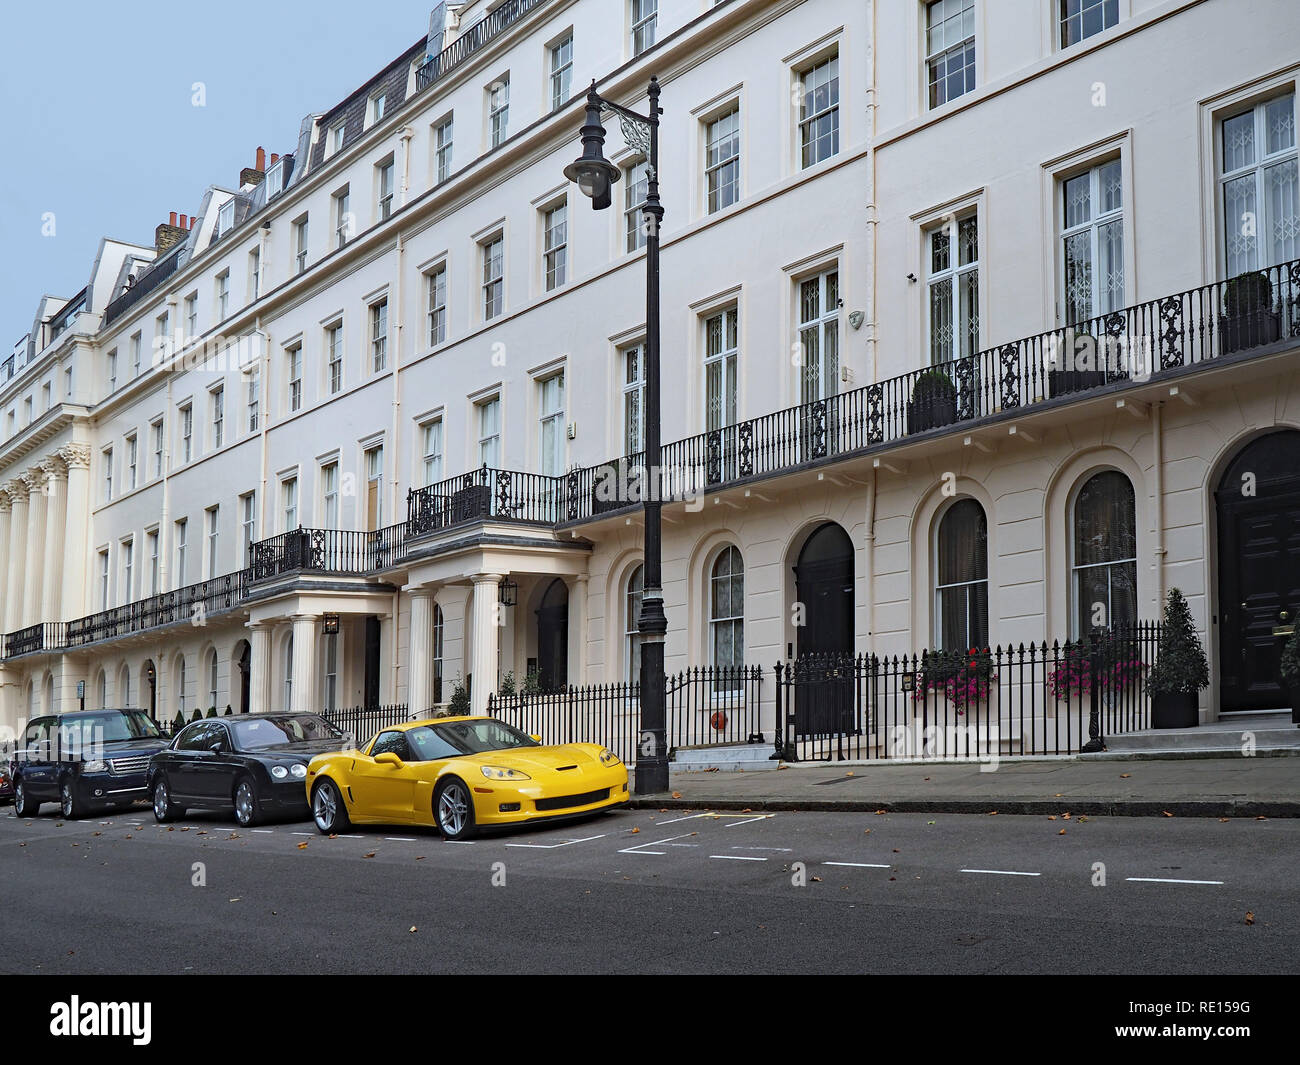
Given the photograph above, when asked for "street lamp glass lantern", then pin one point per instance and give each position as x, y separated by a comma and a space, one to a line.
593, 173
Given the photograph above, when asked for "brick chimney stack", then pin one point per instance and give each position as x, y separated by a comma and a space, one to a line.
253, 175
168, 234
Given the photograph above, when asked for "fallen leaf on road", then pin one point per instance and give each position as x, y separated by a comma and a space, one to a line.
1224, 820
848, 773
896, 851
1065, 816
1051, 817
412, 929
236, 899
332, 835
1082, 818
893, 878
1261, 818
233, 835
746, 810
929, 822
635, 831
866, 831
184, 829
1166, 813
370, 855
97, 833
993, 813
303, 845
677, 794
201, 832
420, 858
170, 828
1250, 917
927, 779
129, 836
816, 880
880, 813
1125, 776
1061, 833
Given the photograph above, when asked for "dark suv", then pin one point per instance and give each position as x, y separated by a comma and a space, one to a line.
84, 760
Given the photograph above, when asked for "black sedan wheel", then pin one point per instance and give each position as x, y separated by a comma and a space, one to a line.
247, 810
69, 805
454, 809
327, 809
164, 809
24, 804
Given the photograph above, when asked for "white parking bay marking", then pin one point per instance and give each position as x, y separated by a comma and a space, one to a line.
401, 839
305, 833
556, 846
1163, 880
687, 817
858, 865
742, 847
736, 858
265, 831
750, 820
1000, 872
640, 847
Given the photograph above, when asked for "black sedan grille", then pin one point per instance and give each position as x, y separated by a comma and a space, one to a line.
565, 802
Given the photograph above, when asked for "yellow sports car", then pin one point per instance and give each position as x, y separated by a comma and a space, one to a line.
460, 774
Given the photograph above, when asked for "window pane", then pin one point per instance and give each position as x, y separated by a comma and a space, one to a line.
1239, 141
1279, 123
1239, 213
1282, 193
963, 543
1105, 522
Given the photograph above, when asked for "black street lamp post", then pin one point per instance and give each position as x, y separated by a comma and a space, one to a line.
595, 176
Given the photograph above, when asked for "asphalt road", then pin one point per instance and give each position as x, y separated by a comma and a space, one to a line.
654, 892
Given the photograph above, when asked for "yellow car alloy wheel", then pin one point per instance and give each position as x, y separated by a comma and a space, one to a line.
455, 809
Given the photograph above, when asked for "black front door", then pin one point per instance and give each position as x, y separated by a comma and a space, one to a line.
553, 638
823, 581
245, 678
1259, 570
372, 662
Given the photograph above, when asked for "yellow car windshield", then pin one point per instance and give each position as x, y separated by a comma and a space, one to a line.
450, 740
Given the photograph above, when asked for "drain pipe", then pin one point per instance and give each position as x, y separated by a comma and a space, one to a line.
870, 566
1158, 508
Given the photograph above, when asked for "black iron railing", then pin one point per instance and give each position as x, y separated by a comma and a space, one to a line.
472, 40
154, 276
1033, 699
481, 495
45, 636
360, 723
707, 706
192, 604
312, 550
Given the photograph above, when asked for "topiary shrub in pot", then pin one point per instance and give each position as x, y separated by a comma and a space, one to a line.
1181, 670
1248, 318
459, 705
1290, 669
933, 403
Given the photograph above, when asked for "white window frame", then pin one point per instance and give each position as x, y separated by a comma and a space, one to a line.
1092, 227
808, 120
293, 377
551, 414
633, 396
498, 110
378, 315
824, 326
1263, 161
443, 146
218, 395
334, 357
431, 448
561, 71
489, 430
1076, 11
949, 47
493, 285
719, 184
954, 275
643, 26
436, 294
555, 245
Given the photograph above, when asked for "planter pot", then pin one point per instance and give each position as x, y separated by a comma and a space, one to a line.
1248, 330
470, 503
1176, 710
930, 414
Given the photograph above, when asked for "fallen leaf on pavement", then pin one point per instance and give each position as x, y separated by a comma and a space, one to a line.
1224, 820
1051, 817
746, 810
879, 813
236, 899
1166, 813
1065, 816
370, 855
412, 929
896, 851
635, 831
1061, 833
816, 880
303, 845
993, 813
677, 794
333, 835
1261, 818
1125, 776
1250, 917
420, 858
170, 828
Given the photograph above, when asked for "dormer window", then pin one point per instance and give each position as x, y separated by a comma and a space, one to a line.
336, 139
377, 107
275, 180
226, 218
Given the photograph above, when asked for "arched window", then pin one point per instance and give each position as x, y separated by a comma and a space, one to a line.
288, 672
181, 682
727, 612
31, 700
1104, 562
124, 681
961, 593
101, 689
437, 654
631, 612
49, 693
212, 680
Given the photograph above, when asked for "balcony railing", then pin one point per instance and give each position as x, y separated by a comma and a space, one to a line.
481, 495
45, 636
192, 604
157, 273
472, 40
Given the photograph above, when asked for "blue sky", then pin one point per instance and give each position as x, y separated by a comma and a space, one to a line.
97, 125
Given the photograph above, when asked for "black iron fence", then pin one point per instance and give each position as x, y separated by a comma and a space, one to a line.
1033, 699
362, 722
706, 706
192, 604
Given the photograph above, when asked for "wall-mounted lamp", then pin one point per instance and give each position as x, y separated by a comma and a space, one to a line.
507, 592
330, 624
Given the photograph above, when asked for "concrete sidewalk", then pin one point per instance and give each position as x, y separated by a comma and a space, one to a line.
1192, 787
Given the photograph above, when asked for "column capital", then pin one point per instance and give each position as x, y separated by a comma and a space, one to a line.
485, 578
419, 591
55, 468
17, 489
34, 480
75, 456
582, 578
260, 626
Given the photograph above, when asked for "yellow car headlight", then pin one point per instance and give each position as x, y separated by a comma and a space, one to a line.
608, 757
499, 772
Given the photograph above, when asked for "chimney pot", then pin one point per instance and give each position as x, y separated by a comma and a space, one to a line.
172, 221
275, 158
261, 158
185, 222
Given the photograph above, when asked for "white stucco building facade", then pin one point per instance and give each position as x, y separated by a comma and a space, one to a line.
854, 193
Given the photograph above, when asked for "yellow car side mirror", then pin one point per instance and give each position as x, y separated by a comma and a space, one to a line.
388, 758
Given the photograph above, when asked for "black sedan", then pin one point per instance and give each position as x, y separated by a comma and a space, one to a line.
253, 763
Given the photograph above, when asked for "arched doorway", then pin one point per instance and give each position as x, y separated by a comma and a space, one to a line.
823, 673
149, 687
1258, 509
244, 665
553, 637
823, 581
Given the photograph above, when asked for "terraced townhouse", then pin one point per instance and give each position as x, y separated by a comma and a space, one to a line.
977, 316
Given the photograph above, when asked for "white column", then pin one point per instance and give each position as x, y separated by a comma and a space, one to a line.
578, 630
419, 694
486, 615
76, 524
305, 629
5, 516
35, 546
259, 682
56, 507
17, 555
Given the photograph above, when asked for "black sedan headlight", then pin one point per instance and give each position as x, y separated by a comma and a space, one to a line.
297, 771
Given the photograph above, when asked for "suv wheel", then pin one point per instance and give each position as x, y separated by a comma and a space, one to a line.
69, 805
24, 804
